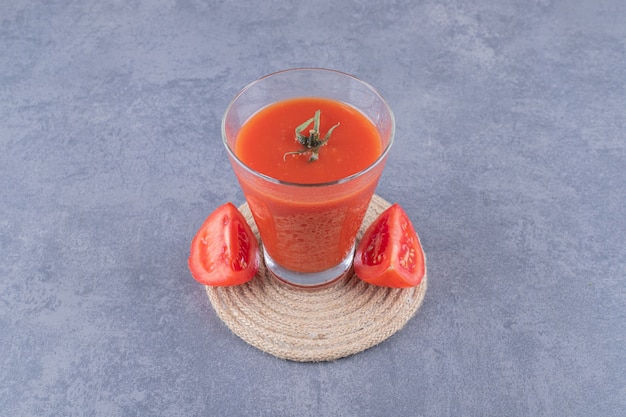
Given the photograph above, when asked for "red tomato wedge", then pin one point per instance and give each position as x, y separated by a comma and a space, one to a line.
390, 253
224, 251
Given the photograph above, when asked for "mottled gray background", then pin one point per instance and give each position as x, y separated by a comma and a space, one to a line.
510, 158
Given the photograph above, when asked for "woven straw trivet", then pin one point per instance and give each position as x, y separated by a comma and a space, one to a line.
311, 325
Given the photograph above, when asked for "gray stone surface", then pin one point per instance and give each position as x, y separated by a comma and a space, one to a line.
510, 157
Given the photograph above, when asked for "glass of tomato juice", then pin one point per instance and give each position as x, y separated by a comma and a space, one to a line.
308, 210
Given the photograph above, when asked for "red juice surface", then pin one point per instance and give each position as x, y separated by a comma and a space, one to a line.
264, 140
309, 229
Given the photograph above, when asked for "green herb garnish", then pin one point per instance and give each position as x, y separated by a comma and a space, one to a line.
312, 142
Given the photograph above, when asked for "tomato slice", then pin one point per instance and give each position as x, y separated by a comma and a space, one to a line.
224, 251
390, 253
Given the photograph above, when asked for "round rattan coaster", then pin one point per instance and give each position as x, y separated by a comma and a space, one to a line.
311, 325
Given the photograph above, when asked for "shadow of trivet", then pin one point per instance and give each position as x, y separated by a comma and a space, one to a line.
311, 325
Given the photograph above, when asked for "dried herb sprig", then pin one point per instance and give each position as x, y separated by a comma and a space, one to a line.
312, 142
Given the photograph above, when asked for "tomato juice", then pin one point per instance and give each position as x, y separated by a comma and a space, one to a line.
264, 141
308, 212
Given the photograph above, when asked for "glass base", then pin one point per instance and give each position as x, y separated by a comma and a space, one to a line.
309, 279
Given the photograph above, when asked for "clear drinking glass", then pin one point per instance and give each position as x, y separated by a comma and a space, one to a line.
308, 231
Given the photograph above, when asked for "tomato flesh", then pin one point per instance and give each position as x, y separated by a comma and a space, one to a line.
390, 253
224, 251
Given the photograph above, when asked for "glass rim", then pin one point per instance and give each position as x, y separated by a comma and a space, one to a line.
381, 157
